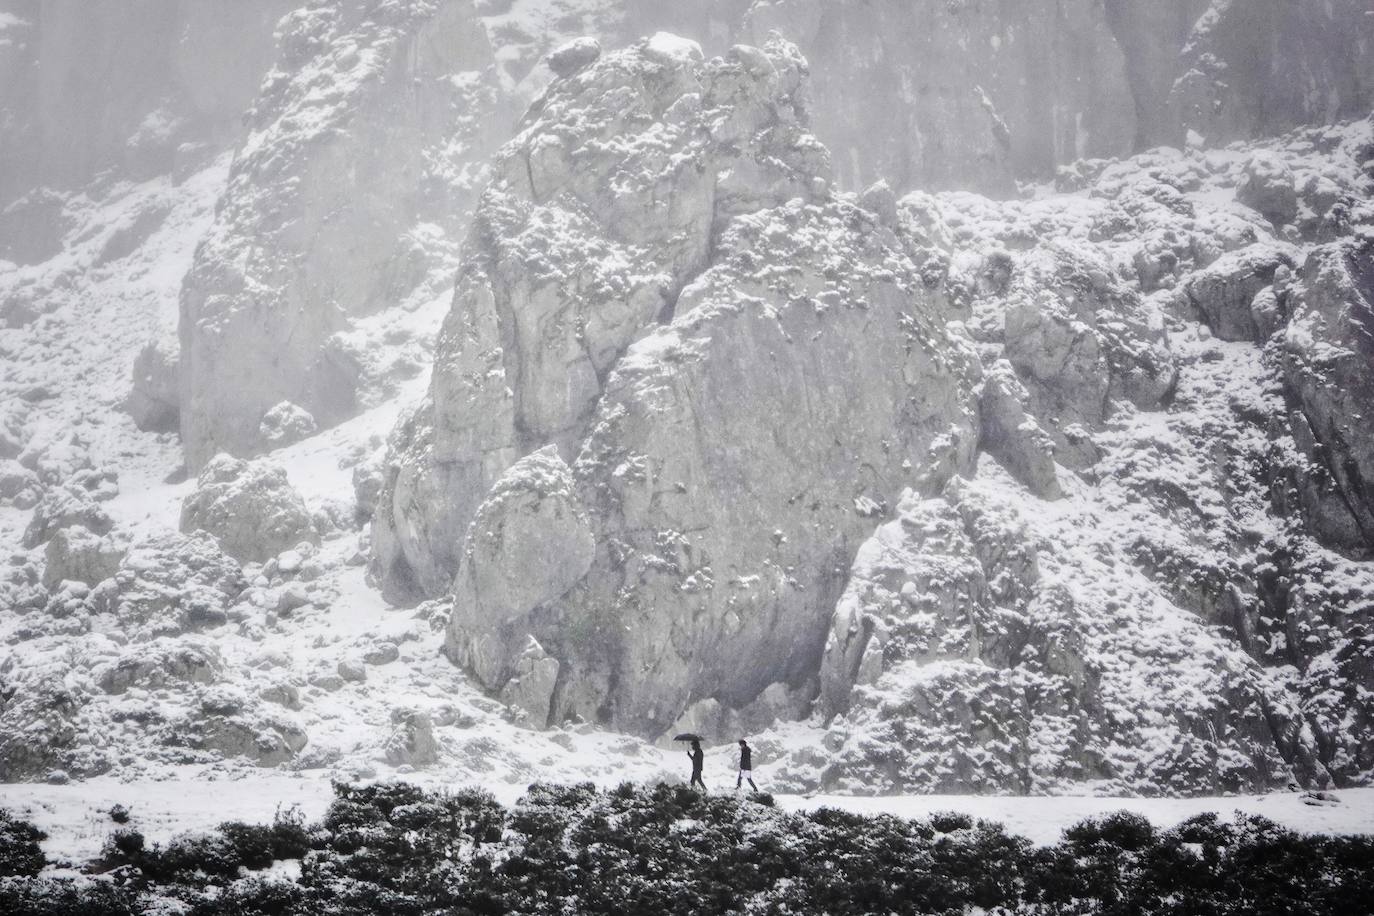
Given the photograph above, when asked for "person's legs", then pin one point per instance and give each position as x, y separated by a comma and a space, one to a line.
696, 781
739, 779
751, 784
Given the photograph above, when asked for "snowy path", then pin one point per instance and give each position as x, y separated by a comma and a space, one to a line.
76, 816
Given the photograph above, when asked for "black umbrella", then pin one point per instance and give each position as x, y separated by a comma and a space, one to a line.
688, 736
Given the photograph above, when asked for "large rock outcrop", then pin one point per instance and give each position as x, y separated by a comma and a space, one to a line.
582, 242
373, 122
725, 471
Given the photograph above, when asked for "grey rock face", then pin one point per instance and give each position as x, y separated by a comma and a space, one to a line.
1328, 362
716, 569
412, 743
950, 662
250, 507
170, 584
528, 544
70, 505
398, 94
713, 570
154, 401
1077, 337
936, 95
1225, 290
1259, 68
90, 87
560, 276
1268, 186
162, 663
78, 554
1012, 435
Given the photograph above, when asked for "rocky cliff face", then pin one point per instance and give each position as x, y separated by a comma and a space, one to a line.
710, 481
933, 491
140, 89
367, 136
931, 95
559, 276
1260, 68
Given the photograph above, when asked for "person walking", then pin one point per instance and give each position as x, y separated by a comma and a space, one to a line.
697, 757
746, 766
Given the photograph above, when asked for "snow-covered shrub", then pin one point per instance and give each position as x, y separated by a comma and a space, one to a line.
20, 853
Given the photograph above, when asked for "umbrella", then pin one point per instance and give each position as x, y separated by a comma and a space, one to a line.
688, 736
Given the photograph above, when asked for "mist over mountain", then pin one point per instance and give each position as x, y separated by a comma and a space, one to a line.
952, 396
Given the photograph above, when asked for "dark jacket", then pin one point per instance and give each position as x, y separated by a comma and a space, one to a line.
746, 758
697, 756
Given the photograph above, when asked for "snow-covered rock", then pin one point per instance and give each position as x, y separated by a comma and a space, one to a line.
250, 507
80, 555
1011, 434
154, 399
583, 240
399, 95
1328, 361
573, 56
170, 584
529, 543
412, 743
1268, 186
67, 506
284, 424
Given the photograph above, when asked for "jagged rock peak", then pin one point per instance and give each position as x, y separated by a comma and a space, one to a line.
604, 206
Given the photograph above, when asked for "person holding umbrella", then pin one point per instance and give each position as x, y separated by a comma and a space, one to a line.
697, 756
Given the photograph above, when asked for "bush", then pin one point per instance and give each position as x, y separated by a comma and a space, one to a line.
20, 853
63, 897
666, 850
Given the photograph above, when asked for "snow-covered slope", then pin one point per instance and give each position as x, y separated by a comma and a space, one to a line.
933, 493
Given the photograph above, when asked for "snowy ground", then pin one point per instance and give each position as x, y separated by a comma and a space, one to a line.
76, 817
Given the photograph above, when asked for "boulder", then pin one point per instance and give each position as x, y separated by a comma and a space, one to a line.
67, 506
1267, 184
573, 56
19, 486
82, 556
1223, 292
266, 740
170, 584
250, 507
161, 664
285, 424
412, 741
530, 688
529, 543
352, 670
154, 400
